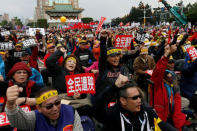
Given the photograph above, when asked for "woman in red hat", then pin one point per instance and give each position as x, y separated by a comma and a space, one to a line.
19, 76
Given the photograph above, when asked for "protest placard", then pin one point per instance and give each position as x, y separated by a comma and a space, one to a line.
29, 43
4, 119
149, 72
3, 33
90, 35
32, 31
6, 46
82, 83
123, 41
192, 53
141, 37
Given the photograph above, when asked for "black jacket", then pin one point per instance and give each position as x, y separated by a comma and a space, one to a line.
111, 117
107, 73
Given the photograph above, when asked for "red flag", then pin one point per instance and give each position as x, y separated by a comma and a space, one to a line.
128, 24
99, 28
121, 24
193, 37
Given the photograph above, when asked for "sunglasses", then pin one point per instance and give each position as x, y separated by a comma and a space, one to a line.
49, 106
135, 97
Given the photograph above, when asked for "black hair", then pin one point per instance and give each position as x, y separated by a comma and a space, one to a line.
77, 69
43, 90
123, 90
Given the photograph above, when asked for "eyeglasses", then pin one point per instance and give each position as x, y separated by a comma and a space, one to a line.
135, 97
49, 106
21, 72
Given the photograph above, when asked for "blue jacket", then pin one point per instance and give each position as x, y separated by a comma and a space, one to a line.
2, 68
36, 77
189, 78
65, 122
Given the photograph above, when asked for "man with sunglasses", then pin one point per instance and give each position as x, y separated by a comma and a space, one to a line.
129, 113
50, 115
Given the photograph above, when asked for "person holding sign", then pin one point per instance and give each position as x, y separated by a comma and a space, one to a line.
109, 63
50, 114
70, 66
189, 79
141, 64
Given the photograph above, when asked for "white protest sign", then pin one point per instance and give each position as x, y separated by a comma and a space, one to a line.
90, 35
29, 43
5, 33
6, 46
140, 37
32, 31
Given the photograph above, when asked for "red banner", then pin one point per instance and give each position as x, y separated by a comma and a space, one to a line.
4, 119
82, 83
99, 28
192, 53
123, 41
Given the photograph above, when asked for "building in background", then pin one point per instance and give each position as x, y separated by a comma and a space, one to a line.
6, 17
52, 10
40, 9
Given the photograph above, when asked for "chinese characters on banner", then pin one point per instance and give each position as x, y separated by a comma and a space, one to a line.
82, 83
123, 41
192, 53
5, 33
4, 119
28, 43
140, 37
6, 46
99, 28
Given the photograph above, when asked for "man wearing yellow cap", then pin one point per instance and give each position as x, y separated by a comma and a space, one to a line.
141, 64
50, 115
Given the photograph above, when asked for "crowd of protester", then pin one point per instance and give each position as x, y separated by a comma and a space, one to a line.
151, 85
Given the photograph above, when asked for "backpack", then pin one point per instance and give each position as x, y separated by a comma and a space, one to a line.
87, 123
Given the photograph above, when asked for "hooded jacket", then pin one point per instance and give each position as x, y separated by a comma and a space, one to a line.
160, 100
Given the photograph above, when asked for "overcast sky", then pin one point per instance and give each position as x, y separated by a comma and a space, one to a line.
93, 8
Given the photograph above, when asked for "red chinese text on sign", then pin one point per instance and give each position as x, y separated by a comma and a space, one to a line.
123, 41
192, 53
82, 83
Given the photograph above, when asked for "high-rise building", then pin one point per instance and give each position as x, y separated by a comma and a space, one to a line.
6, 17
40, 9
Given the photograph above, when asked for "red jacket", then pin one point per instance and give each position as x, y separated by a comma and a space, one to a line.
161, 101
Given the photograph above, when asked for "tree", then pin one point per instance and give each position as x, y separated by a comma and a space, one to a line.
4, 23
32, 24
116, 21
87, 19
18, 21
42, 23
192, 13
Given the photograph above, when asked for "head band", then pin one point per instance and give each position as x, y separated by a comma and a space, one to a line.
72, 58
46, 96
109, 52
